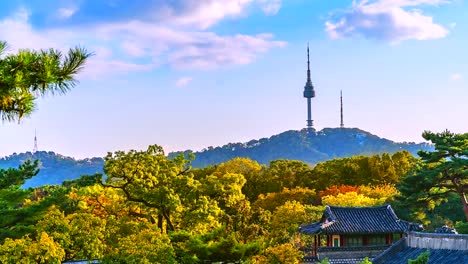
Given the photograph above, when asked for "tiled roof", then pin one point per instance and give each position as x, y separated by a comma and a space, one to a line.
446, 230
444, 248
437, 256
358, 220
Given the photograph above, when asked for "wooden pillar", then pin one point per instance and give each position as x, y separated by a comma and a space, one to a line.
342, 241
314, 253
365, 240
329, 241
388, 239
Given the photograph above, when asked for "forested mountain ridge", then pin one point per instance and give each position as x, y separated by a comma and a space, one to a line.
312, 147
54, 168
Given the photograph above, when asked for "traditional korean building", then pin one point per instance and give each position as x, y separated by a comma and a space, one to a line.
349, 234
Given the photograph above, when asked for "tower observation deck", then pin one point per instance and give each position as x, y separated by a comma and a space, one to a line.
309, 93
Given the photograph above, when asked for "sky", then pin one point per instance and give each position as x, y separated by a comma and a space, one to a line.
188, 74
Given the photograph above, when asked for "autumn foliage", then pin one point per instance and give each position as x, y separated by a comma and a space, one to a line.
152, 209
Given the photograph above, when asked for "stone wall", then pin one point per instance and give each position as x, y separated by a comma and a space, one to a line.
437, 241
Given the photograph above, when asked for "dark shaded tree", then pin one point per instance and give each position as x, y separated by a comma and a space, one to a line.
16, 177
442, 172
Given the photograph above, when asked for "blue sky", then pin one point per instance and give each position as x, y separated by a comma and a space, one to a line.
188, 74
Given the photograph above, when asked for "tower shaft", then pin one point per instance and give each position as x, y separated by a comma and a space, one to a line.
310, 122
341, 104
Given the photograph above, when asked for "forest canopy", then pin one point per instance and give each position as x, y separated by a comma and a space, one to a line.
155, 209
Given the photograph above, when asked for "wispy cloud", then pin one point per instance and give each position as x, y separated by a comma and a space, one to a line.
388, 20
183, 81
456, 77
64, 13
270, 7
187, 49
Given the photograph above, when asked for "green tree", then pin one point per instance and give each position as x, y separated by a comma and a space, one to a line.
284, 254
16, 177
28, 74
325, 261
362, 170
442, 172
287, 218
147, 246
217, 246
461, 227
271, 201
365, 261
26, 250
423, 258
81, 235
248, 168
287, 174
152, 180
350, 199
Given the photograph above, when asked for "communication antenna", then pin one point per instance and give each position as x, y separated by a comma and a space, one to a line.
35, 142
341, 99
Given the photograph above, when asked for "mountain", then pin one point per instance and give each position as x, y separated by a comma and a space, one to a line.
308, 146
54, 168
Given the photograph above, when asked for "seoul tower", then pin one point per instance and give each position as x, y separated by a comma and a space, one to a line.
309, 93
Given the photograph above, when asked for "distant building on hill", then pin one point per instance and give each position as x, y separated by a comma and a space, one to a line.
350, 234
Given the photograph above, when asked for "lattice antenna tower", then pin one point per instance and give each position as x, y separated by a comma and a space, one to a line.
35, 142
341, 101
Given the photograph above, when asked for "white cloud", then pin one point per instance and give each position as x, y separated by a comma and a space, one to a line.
453, 24
203, 14
64, 13
122, 47
388, 20
456, 77
183, 81
188, 49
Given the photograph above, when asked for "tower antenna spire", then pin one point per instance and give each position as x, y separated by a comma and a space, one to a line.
35, 142
341, 101
309, 93
308, 64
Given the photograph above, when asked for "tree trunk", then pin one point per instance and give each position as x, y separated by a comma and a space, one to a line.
465, 204
169, 226
160, 222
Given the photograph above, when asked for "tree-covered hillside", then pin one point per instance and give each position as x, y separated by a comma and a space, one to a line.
54, 168
312, 147
152, 209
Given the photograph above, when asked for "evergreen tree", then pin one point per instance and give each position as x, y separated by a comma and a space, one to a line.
442, 172
28, 74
